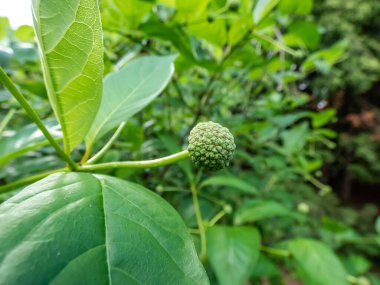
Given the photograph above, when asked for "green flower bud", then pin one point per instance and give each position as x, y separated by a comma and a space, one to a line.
211, 146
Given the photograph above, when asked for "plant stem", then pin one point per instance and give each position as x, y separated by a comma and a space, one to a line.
216, 218
277, 44
110, 165
29, 180
201, 227
275, 251
33, 115
6, 120
107, 145
137, 164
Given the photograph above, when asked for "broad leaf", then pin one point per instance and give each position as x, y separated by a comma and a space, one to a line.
77, 228
254, 210
317, 264
262, 8
70, 40
304, 33
230, 182
24, 140
129, 90
233, 253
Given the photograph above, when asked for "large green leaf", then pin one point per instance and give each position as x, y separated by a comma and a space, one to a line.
70, 40
233, 253
317, 264
262, 9
129, 90
254, 210
24, 140
78, 228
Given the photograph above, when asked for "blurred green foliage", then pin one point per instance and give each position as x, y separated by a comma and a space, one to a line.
256, 68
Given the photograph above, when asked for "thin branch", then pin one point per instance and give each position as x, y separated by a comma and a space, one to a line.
33, 115
29, 180
107, 145
6, 120
201, 227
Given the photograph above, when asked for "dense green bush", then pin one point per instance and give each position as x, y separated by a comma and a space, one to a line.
268, 217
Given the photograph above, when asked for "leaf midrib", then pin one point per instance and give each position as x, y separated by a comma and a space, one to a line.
101, 125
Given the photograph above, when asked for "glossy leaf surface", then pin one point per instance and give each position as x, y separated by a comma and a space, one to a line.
76, 228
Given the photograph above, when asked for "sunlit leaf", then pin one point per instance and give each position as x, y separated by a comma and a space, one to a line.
262, 9
70, 39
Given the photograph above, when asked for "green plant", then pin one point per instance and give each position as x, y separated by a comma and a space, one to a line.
268, 217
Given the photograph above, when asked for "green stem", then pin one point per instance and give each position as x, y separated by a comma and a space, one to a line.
29, 180
275, 251
33, 115
90, 168
6, 120
216, 218
201, 227
107, 145
137, 164
277, 44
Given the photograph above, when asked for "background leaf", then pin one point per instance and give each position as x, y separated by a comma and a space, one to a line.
129, 90
233, 248
262, 8
254, 210
25, 139
230, 182
295, 138
70, 39
76, 228
317, 263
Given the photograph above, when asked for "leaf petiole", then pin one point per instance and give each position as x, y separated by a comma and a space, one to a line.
107, 145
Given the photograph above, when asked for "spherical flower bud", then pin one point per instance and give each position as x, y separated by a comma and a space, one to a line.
211, 146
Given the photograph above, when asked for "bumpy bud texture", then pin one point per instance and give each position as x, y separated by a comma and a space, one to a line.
211, 146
